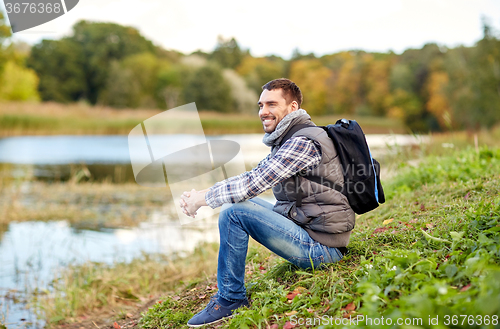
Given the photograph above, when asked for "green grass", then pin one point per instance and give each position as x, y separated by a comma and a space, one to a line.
431, 252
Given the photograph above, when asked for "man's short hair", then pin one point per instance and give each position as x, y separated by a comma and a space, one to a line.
291, 92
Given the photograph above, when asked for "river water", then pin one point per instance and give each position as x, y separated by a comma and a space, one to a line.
32, 252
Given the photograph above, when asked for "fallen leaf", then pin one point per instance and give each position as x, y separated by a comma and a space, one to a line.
116, 325
176, 298
295, 292
465, 288
380, 230
129, 315
429, 226
202, 296
387, 221
291, 313
422, 207
262, 268
192, 289
349, 307
288, 325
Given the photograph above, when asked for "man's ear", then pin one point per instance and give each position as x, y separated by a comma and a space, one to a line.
295, 106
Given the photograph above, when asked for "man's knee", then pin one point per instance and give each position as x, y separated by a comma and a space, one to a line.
231, 211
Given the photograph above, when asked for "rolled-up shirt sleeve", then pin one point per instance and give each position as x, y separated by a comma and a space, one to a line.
296, 154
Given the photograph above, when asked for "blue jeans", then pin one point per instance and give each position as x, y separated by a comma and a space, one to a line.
256, 218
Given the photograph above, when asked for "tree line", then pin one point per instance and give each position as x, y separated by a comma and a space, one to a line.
432, 88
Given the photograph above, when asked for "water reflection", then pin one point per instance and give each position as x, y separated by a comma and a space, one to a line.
113, 173
31, 252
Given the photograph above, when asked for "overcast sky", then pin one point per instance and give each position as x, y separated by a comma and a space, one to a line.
278, 27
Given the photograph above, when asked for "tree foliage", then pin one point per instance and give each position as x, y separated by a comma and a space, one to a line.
208, 88
227, 53
432, 88
84, 59
18, 83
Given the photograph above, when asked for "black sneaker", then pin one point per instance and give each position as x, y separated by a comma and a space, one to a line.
215, 312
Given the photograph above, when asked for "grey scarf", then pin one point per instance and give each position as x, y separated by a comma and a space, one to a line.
296, 117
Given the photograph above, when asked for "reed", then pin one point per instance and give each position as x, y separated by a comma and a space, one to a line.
49, 118
84, 289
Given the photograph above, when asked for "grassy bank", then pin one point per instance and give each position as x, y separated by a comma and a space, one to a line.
431, 252
99, 294
77, 119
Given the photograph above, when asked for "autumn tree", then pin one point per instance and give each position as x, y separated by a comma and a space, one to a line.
311, 76
257, 71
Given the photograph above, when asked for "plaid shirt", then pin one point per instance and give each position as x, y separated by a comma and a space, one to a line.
294, 155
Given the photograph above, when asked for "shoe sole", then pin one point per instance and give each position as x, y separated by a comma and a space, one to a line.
208, 323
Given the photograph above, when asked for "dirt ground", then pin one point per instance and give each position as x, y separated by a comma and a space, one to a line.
132, 315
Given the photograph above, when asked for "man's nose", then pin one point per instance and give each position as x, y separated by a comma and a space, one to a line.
263, 111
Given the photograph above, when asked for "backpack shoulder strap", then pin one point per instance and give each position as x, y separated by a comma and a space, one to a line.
293, 130
315, 179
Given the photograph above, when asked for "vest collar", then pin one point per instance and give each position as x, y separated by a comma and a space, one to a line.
296, 117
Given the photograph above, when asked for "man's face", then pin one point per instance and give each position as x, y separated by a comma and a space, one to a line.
273, 108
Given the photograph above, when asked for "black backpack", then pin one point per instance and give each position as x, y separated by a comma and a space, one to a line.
362, 185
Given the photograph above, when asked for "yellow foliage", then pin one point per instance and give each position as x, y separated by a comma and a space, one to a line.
437, 103
312, 77
259, 70
378, 85
18, 83
346, 84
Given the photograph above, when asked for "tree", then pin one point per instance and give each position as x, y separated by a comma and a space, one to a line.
257, 71
311, 76
377, 84
437, 103
345, 84
18, 83
60, 65
132, 82
171, 79
244, 98
5, 33
227, 53
84, 59
207, 87
484, 82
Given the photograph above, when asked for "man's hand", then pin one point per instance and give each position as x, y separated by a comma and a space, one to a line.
192, 201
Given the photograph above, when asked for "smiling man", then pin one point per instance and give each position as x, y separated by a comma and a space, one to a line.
310, 224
